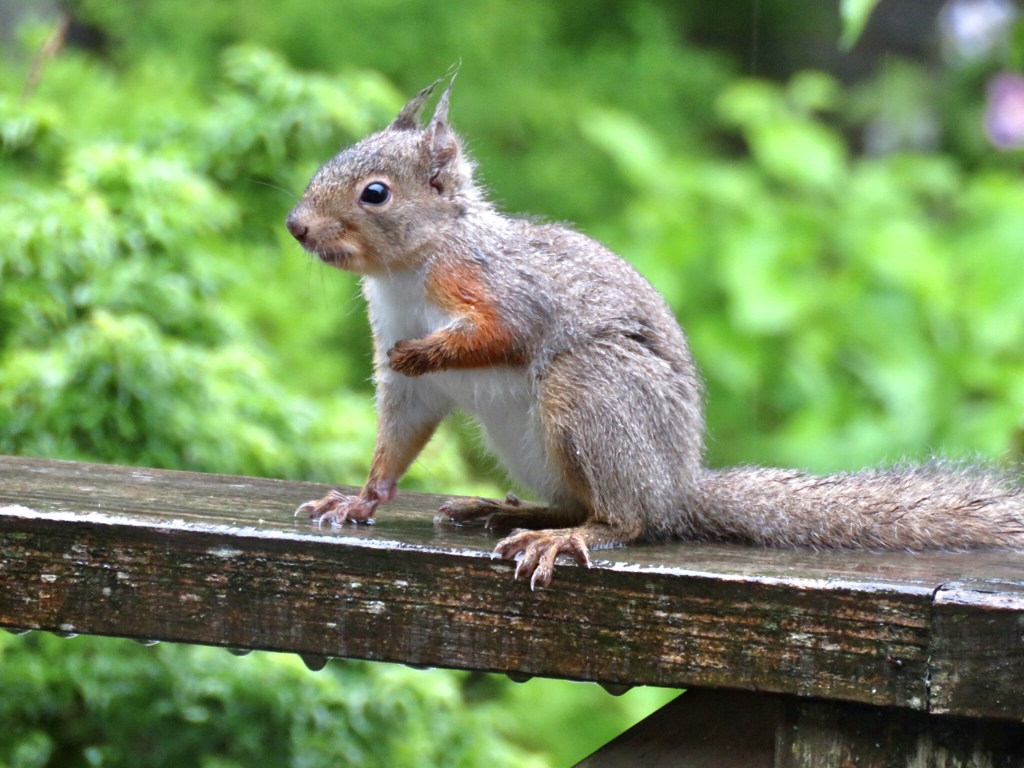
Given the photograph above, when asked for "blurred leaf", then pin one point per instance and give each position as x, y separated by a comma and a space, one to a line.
855, 15
637, 150
782, 136
751, 102
812, 91
800, 153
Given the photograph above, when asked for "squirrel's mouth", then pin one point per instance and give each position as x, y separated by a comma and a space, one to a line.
340, 258
334, 258
346, 255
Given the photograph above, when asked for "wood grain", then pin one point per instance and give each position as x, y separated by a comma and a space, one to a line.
978, 648
220, 560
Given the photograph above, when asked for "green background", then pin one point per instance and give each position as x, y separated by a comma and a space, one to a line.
831, 227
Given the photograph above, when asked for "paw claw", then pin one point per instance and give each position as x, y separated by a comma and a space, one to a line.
541, 577
535, 553
337, 508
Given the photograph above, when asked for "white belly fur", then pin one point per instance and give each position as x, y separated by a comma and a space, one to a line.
502, 400
500, 397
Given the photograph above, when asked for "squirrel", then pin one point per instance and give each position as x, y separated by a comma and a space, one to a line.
580, 376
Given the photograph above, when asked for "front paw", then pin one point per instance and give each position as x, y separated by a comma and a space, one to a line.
469, 510
409, 357
336, 508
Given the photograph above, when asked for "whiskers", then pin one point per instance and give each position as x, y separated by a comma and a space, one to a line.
287, 192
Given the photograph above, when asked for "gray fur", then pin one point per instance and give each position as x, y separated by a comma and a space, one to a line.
938, 505
610, 375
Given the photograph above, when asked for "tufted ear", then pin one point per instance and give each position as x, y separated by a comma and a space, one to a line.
441, 110
448, 171
409, 118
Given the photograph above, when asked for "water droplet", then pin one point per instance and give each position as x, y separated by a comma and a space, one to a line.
314, 661
239, 651
518, 677
145, 642
65, 635
616, 689
17, 630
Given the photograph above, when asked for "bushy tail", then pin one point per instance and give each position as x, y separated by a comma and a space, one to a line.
935, 506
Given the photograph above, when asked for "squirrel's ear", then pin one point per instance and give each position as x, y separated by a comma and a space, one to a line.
409, 118
441, 110
448, 170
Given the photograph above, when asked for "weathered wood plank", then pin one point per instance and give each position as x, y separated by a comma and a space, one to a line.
816, 734
221, 560
978, 649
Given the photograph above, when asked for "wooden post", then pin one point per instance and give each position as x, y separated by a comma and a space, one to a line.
728, 729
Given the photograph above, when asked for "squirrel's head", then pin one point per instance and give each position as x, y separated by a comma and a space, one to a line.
378, 205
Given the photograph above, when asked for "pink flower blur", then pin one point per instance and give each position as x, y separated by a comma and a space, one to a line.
1004, 111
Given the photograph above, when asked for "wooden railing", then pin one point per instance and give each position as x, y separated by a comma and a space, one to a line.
790, 658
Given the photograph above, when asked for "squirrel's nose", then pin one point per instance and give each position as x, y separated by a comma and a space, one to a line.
297, 227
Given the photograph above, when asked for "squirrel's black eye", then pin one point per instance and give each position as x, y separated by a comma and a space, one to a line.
375, 193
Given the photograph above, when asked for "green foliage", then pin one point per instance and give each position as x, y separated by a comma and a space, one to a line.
89, 701
870, 305
628, 53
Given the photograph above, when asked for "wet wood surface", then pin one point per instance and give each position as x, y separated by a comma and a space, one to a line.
220, 560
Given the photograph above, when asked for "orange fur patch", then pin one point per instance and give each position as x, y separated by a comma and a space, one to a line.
479, 338
391, 458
